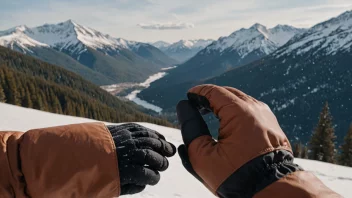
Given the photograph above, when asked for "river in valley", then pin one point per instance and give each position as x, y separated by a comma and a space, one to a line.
136, 88
133, 95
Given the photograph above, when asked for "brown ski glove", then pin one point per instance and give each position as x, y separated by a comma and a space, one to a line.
251, 151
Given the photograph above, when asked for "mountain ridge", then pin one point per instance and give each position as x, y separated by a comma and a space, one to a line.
239, 48
117, 59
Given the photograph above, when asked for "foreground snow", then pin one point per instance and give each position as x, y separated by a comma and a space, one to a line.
176, 182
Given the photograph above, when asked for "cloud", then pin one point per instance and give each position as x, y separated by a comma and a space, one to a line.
166, 26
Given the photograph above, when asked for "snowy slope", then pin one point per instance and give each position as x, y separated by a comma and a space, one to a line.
329, 37
257, 37
175, 182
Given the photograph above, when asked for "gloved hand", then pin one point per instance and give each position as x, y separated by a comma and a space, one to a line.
251, 151
141, 154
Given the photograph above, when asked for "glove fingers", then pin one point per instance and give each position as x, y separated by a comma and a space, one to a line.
121, 135
130, 189
149, 133
182, 152
139, 175
237, 92
150, 158
158, 145
218, 99
192, 123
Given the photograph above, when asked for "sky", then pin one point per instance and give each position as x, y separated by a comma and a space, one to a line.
169, 20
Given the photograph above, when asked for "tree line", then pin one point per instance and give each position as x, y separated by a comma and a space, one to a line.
31, 83
322, 146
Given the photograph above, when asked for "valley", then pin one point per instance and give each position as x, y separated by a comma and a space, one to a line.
129, 91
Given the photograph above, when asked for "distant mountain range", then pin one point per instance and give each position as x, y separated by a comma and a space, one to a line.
295, 80
97, 57
239, 48
183, 49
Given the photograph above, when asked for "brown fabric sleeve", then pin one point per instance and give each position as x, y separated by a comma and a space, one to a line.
300, 184
67, 161
11, 177
247, 130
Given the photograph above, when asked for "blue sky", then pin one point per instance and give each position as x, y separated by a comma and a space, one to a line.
169, 20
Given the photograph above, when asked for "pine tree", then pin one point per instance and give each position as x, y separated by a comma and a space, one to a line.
297, 150
2, 94
38, 103
322, 145
345, 158
12, 95
26, 101
304, 154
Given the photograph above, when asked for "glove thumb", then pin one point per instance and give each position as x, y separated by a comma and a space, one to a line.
192, 123
182, 152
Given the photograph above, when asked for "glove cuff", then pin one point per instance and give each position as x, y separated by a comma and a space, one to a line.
257, 174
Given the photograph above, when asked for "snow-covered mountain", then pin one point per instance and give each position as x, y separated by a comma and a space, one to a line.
68, 36
118, 59
16, 39
257, 38
327, 38
183, 49
176, 181
241, 47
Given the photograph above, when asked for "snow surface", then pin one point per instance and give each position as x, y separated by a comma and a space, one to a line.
257, 37
328, 37
175, 182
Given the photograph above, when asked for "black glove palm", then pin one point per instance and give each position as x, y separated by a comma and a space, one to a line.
141, 154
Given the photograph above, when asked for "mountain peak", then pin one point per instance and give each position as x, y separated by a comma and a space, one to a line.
20, 28
161, 44
69, 21
258, 26
283, 27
